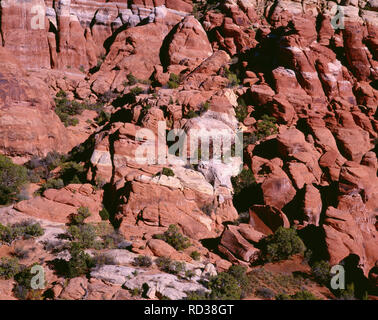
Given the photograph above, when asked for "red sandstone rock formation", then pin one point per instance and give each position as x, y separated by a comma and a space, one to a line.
319, 170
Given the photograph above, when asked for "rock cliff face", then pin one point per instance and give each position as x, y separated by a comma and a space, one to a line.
299, 78
28, 125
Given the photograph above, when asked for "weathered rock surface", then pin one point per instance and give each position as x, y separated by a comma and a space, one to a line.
57, 205
23, 94
167, 285
236, 63
189, 45
351, 229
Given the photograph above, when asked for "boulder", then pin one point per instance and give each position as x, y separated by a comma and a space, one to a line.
162, 249
75, 290
267, 219
234, 242
57, 205
312, 205
350, 229
189, 45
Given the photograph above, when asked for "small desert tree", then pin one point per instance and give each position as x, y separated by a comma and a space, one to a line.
12, 178
281, 245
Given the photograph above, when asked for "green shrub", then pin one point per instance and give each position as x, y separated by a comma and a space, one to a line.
104, 214
79, 264
168, 172
304, 295
205, 107
131, 79
174, 238
249, 138
348, 293
224, 287
21, 253
300, 295
240, 275
113, 240
197, 295
79, 217
191, 114
22, 289
31, 230
277, 281
232, 78
103, 259
208, 209
67, 109
321, 270
51, 184
142, 261
61, 94
12, 178
103, 118
105, 98
195, 255
281, 245
136, 91
242, 218
42, 167
24, 230
241, 111
9, 267
110, 237
99, 105
200, 8
244, 180
176, 267
146, 107
174, 81
99, 183
136, 292
266, 127
72, 172
265, 293
99, 236
189, 274
167, 265
98, 65
163, 263
84, 234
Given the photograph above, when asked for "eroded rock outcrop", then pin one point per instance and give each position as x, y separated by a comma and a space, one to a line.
304, 93
21, 94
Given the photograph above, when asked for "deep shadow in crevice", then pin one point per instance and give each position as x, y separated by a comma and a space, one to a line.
294, 209
267, 149
112, 198
248, 197
329, 195
314, 240
355, 275
122, 115
374, 84
211, 244
54, 30
164, 58
83, 152
111, 203
128, 98
109, 41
